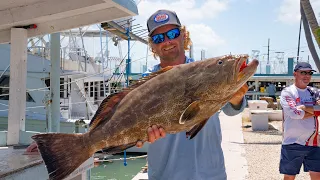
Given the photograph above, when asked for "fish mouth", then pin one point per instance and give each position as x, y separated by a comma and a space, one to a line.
246, 70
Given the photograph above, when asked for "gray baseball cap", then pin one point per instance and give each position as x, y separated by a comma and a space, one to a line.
161, 18
303, 66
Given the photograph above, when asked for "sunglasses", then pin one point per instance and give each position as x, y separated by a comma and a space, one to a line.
171, 34
305, 72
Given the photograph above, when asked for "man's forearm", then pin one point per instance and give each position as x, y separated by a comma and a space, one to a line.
231, 110
307, 115
309, 109
237, 106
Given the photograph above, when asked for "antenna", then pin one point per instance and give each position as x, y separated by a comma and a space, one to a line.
280, 61
203, 54
268, 60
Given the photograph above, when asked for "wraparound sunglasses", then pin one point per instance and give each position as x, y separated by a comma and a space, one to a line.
171, 34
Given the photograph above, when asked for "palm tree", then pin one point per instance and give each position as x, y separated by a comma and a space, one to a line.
312, 20
308, 18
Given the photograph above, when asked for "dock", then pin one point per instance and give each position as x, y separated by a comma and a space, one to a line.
38, 18
14, 164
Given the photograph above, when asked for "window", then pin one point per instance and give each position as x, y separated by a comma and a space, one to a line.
64, 87
91, 89
4, 89
86, 88
102, 89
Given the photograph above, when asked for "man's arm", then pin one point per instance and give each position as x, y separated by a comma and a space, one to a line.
231, 109
237, 103
309, 111
307, 115
290, 107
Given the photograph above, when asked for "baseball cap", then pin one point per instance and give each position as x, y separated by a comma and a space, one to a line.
161, 18
303, 66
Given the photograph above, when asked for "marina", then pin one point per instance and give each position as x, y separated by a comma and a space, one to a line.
55, 85
60, 96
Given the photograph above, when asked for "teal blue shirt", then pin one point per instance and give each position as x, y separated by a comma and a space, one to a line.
177, 158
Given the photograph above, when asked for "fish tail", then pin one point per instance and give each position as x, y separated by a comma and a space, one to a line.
62, 153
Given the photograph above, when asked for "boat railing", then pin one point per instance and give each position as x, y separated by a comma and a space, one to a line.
255, 95
41, 51
85, 96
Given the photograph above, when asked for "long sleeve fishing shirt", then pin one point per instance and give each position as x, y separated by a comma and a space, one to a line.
295, 128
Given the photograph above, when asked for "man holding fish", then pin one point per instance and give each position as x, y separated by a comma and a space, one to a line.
173, 156
180, 97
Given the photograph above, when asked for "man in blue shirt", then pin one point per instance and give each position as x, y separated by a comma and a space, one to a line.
173, 156
271, 89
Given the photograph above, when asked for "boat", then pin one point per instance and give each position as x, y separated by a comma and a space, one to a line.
84, 81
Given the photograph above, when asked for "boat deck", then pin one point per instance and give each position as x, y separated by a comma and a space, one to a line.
143, 174
12, 161
14, 164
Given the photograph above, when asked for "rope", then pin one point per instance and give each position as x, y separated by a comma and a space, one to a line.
45, 88
33, 107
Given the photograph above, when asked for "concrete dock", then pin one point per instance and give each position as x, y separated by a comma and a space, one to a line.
14, 164
232, 145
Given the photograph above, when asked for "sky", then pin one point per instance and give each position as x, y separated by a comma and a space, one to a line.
228, 26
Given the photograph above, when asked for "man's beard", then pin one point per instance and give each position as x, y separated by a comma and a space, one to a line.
170, 56
304, 83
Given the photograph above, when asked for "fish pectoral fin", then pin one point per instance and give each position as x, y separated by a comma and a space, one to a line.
117, 149
195, 129
190, 112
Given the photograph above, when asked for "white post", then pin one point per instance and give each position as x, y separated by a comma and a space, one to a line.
17, 93
55, 82
256, 84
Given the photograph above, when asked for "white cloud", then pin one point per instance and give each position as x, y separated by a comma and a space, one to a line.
187, 10
203, 37
289, 12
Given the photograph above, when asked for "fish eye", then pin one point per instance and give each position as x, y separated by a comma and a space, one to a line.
220, 62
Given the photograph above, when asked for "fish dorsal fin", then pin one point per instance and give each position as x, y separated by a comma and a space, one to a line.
106, 109
110, 103
154, 74
146, 78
